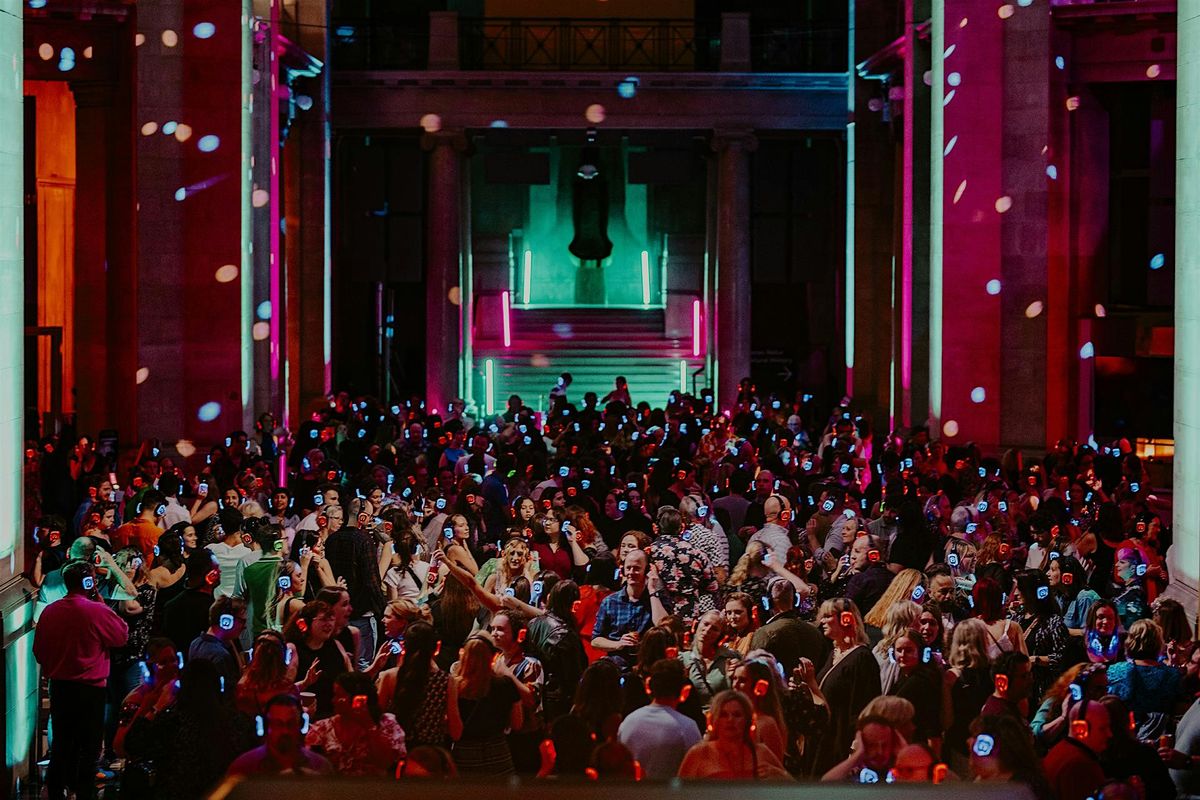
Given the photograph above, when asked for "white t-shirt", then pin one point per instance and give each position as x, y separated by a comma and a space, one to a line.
659, 737
229, 558
402, 580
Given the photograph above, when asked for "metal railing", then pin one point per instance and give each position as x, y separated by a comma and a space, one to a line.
368, 45
583, 44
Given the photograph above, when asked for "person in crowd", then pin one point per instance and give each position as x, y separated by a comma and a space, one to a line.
144, 529
708, 661
1012, 685
186, 615
1049, 724
270, 672
1004, 634
416, 690
219, 644
232, 550
657, 734
1131, 760
282, 752
598, 702
758, 679
729, 751
354, 561
360, 738
970, 680
71, 642
483, 702
1002, 752
626, 614
1153, 691
552, 638
877, 742
507, 629
920, 681
1103, 634
193, 739
319, 656
848, 680
554, 547
1073, 767
1047, 640
1069, 589
741, 621
689, 584
785, 635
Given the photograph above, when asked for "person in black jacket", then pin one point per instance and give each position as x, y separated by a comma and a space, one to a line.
552, 639
351, 553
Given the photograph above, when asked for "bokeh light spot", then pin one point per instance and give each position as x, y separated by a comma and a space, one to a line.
875, 104
260, 197
185, 448
978, 394
950, 145
993, 286
169, 127
928, 77
1060, 62
37, 3
170, 38
539, 360
263, 311
454, 295
208, 143
87, 51
954, 78
260, 331
183, 132
1005, 11
1003, 204
142, 375
150, 128
1158, 261
1072, 103
950, 428
431, 123
1153, 71
227, 273
209, 411
963, 23
1034, 309
45, 51
595, 113
958, 193
139, 40
1087, 351
628, 87
181, 194
204, 30
949, 96
1052, 172
1101, 311
498, 123
949, 51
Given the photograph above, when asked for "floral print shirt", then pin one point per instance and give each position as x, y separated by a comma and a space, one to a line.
689, 584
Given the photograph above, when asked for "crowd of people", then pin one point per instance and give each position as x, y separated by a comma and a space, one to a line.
764, 592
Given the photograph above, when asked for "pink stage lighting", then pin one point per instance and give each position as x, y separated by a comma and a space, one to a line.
695, 327
507, 325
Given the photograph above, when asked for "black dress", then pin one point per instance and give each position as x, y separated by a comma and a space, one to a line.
848, 686
332, 664
923, 688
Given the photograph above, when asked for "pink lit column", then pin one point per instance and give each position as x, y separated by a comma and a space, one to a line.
733, 261
971, 196
443, 268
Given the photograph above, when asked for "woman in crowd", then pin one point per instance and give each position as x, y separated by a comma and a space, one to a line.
598, 700
848, 681
482, 704
1176, 630
289, 594
907, 587
1153, 691
1129, 759
416, 689
758, 680
319, 656
1047, 640
507, 630
730, 750
1050, 723
514, 562
708, 661
271, 672
741, 620
360, 738
1070, 592
971, 684
555, 549
1103, 637
1004, 635
898, 619
632, 540
603, 578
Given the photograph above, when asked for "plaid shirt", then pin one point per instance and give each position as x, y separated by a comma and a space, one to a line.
618, 615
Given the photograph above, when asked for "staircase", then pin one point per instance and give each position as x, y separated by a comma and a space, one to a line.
594, 345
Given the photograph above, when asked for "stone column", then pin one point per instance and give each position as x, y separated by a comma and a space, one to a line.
443, 267
1183, 559
733, 287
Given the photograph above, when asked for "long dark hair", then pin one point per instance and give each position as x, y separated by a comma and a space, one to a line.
412, 676
599, 695
358, 684
1033, 582
561, 602
1013, 745
170, 548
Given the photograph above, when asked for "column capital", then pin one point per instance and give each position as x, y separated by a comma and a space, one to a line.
449, 137
92, 94
737, 139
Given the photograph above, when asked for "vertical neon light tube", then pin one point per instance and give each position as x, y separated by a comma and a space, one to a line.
528, 282
696, 327
645, 278
12, 312
276, 266
489, 386
246, 274
1185, 554
682, 376
906, 234
850, 74
507, 324
936, 179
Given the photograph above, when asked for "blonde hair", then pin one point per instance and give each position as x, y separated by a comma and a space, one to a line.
503, 577
897, 620
968, 644
730, 696
475, 666
1144, 640
753, 555
842, 605
251, 510
898, 711
899, 591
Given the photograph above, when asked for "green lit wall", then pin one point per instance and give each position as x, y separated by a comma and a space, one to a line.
12, 271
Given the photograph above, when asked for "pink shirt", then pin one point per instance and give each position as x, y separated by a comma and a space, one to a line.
559, 562
73, 637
